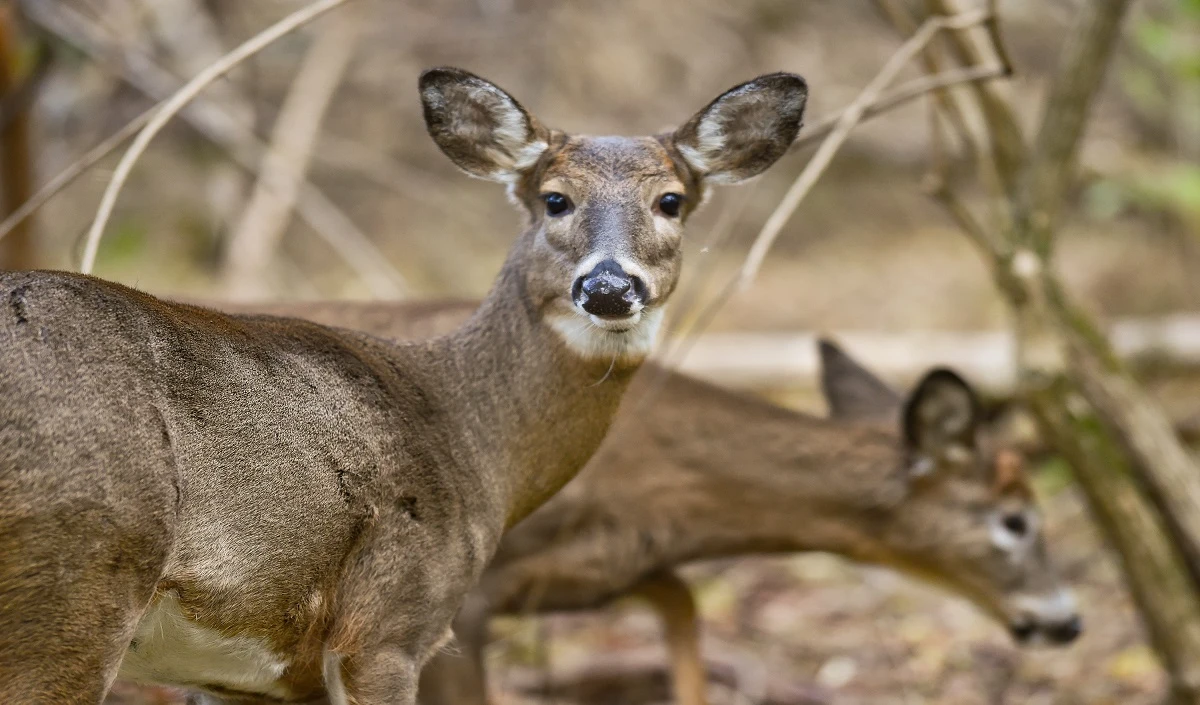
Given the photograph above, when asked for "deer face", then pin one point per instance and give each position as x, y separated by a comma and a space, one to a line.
607, 213
970, 521
967, 518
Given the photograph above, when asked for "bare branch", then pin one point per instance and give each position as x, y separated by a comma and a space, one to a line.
905, 93
76, 168
181, 98
841, 131
906, 24
282, 171
1008, 148
1051, 166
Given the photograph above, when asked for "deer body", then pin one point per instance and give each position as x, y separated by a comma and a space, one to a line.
698, 472
261, 507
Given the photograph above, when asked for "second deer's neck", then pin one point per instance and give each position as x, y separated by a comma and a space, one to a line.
531, 410
754, 478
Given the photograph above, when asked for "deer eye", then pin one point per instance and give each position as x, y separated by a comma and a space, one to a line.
670, 203
556, 203
1016, 524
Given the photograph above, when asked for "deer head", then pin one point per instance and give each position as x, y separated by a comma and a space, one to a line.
968, 518
606, 214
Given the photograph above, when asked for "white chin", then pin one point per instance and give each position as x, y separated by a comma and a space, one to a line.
629, 339
616, 325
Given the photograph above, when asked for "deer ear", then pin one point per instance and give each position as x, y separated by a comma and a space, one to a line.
852, 392
745, 130
941, 418
483, 129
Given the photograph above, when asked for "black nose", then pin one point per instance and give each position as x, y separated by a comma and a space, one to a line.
1065, 632
608, 291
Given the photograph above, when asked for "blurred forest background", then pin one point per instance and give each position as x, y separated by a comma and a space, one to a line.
384, 215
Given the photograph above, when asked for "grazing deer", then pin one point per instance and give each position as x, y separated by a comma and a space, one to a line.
918, 484
264, 508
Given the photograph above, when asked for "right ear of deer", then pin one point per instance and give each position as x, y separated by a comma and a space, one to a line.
479, 126
746, 129
852, 392
942, 415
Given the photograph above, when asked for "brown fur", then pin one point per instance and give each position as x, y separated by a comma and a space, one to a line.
700, 472
322, 492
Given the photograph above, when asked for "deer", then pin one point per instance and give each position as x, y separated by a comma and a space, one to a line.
264, 509
691, 471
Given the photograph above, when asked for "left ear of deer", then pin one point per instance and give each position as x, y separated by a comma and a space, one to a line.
745, 130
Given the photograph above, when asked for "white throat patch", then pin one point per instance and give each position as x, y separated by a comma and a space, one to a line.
592, 342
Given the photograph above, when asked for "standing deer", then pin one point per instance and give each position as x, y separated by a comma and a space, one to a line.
265, 508
699, 472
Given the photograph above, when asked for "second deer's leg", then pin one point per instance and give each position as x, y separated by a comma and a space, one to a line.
672, 599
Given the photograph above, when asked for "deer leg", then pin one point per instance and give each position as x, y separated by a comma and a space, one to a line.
672, 599
68, 609
459, 678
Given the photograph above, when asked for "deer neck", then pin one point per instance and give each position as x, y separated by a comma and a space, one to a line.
532, 410
759, 479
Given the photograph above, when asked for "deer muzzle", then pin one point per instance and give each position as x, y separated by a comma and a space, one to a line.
608, 291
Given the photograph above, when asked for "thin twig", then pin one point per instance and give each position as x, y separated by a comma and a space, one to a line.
74, 170
181, 98
905, 23
282, 171
903, 94
841, 131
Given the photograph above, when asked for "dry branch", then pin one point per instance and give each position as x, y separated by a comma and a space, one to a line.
320, 213
850, 117
17, 164
1088, 407
281, 175
181, 98
897, 97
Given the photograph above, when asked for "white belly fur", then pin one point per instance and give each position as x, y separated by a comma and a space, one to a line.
174, 651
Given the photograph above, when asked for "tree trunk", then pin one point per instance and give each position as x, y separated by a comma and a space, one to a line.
17, 251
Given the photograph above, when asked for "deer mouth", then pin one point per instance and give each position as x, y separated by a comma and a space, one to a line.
1029, 633
616, 323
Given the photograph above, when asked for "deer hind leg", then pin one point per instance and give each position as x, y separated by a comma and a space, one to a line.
672, 599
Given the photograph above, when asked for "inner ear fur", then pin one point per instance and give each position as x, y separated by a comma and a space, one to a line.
745, 129
479, 126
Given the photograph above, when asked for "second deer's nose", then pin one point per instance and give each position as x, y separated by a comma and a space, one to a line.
608, 290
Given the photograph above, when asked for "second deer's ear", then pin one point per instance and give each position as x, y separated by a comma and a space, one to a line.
479, 126
941, 418
851, 391
745, 130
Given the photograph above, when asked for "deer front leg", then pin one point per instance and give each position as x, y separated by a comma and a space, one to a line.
381, 676
459, 678
394, 609
672, 599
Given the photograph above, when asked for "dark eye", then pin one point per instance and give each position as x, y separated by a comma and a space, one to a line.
670, 203
1016, 524
556, 203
